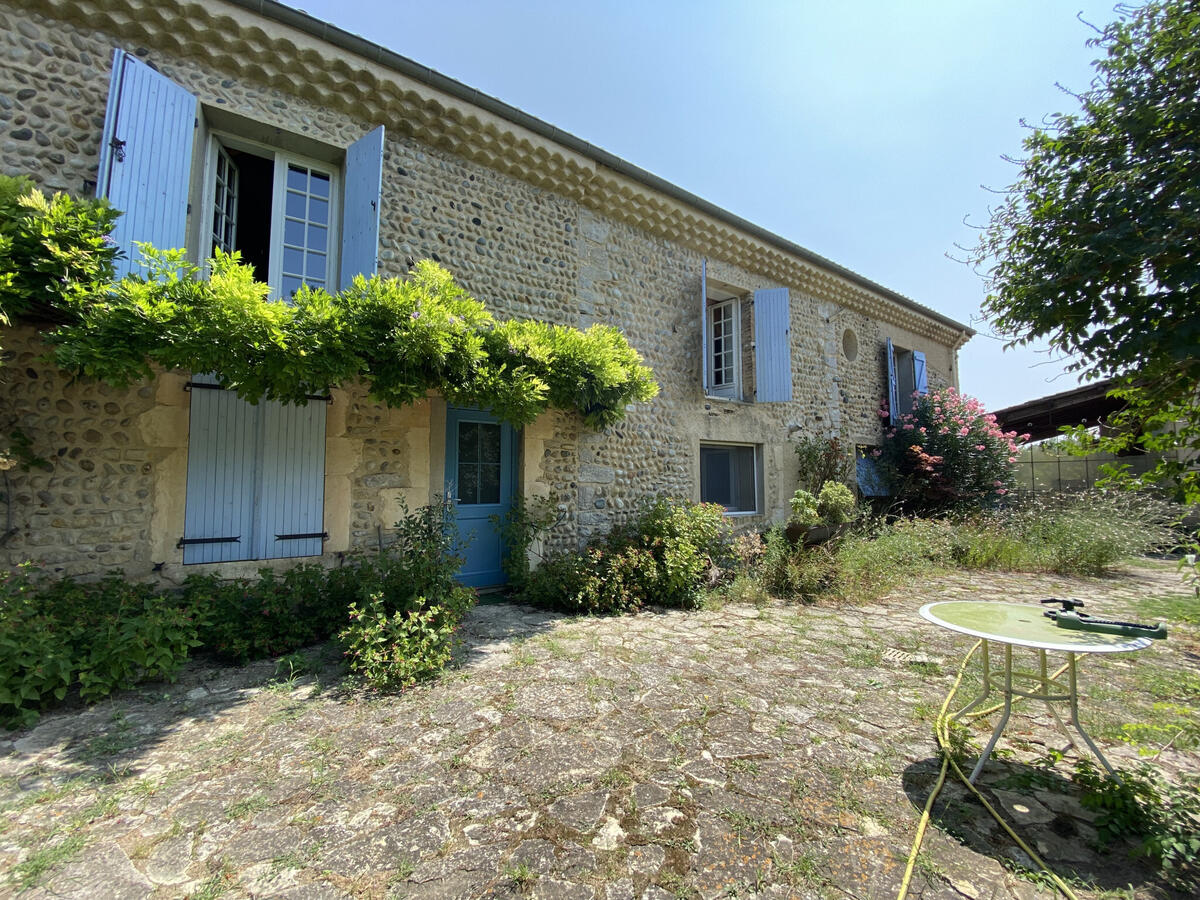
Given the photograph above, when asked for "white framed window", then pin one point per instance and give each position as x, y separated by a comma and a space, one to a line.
279, 209
731, 475
724, 351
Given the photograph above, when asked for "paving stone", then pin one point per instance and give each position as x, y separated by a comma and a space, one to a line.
580, 812
102, 871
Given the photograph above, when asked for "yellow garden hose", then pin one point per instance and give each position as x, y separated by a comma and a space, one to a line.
942, 732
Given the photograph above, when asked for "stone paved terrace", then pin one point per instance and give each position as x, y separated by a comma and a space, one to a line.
780, 752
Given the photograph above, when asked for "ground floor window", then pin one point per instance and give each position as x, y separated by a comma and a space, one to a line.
730, 474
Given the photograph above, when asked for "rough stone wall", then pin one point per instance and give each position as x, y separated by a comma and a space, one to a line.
524, 250
91, 508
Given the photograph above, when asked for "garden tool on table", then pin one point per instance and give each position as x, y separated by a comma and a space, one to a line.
1067, 617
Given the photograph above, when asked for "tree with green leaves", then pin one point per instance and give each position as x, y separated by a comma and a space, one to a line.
1096, 247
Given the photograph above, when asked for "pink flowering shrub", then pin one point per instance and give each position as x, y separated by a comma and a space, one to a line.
949, 452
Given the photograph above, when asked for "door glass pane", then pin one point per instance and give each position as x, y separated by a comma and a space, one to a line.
489, 484
479, 462
468, 482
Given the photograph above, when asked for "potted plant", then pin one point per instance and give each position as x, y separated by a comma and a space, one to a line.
817, 519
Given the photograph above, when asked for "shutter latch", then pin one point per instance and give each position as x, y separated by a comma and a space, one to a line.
118, 149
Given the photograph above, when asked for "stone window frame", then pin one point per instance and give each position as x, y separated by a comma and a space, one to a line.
719, 299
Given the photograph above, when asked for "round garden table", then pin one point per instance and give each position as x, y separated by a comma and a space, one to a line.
1024, 625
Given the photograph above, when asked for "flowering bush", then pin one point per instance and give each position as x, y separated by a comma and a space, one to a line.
949, 452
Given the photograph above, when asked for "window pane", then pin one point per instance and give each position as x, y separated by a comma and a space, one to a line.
318, 186
296, 205
293, 261
489, 484
318, 211
290, 285
318, 238
728, 476
316, 266
293, 232
468, 442
468, 483
297, 178
489, 444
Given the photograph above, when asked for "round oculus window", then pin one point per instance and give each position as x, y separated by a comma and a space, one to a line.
850, 344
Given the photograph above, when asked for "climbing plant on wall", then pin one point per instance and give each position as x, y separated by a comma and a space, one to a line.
401, 337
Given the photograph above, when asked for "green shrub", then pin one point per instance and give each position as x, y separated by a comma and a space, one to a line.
1161, 816
395, 650
822, 460
835, 503
96, 636
277, 613
804, 508
664, 556
797, 571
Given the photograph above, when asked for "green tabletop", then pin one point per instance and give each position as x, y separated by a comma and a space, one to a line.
1023, 625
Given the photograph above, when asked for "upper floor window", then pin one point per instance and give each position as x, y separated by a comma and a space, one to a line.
746, 348
277, 209
907, 377
725, 349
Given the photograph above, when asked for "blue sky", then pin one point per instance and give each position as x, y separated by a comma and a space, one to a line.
864, 131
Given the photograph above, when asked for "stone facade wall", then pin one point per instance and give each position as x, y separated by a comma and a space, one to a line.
524, 250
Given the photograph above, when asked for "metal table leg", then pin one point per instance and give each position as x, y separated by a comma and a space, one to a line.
999, 729
985, 688
1074, 701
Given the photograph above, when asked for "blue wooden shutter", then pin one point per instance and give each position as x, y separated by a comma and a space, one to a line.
705, 349
360, 223
146, 157
292, 487
772, 346
920, 376
223, 445
893, 386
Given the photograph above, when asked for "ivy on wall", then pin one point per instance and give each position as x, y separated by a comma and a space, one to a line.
400, 337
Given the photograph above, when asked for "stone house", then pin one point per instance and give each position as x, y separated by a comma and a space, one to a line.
249, 125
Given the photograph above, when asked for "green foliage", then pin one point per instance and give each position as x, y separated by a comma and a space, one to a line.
664, 556
796, 571
395, 650
804, 508
835, 503
278, 613
1081, 534
522, 526
822, 460
1094, 247
54, 252
403, 338
1162, 816
98, 637
948, 453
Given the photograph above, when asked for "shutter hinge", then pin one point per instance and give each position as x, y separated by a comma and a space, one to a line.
118, 149
309, 535
183, 542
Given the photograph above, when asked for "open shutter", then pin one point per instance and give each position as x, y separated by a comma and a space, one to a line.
360, 223
705, 347
893, 386
772, 346
920, 376
146, 157
223, 440
292, 489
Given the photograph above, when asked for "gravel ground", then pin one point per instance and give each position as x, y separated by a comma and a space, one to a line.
780, 751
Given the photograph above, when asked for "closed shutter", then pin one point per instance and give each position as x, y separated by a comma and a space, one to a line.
146, 157
292, 492
360, 223
893, 386
705, 347
772, 346
223, 449
920, 376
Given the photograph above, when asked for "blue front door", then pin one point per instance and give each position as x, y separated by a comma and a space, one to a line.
480, 479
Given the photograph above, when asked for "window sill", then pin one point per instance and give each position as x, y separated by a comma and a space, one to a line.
742, 513
730, 400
